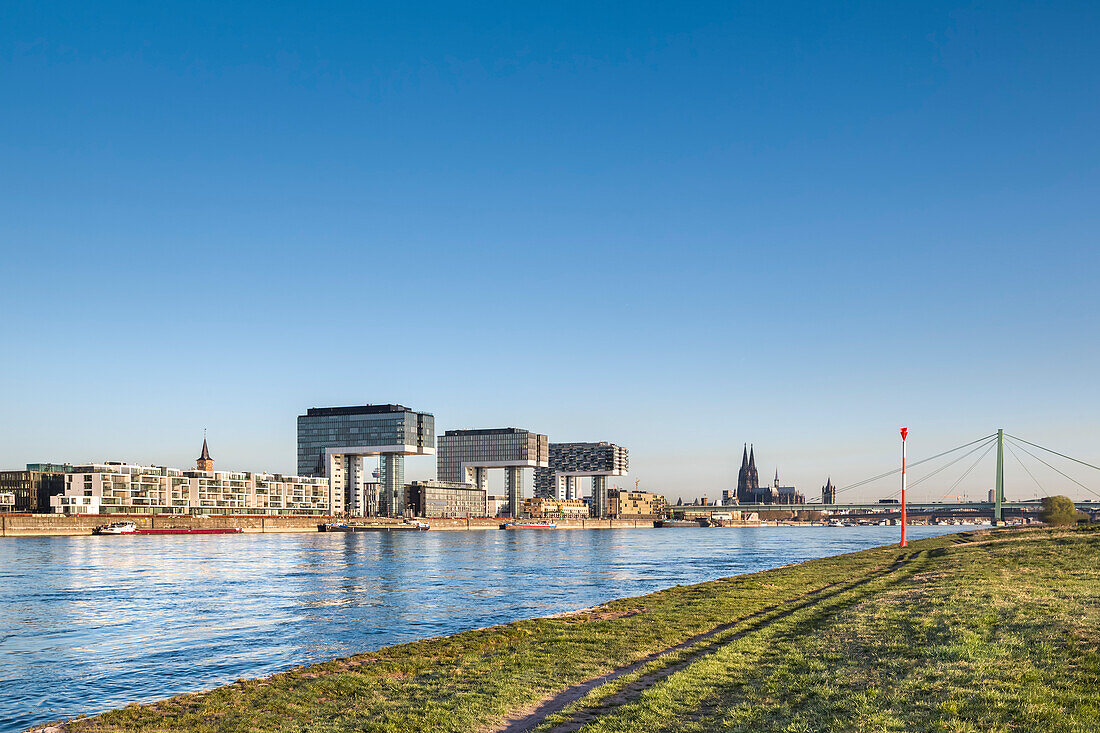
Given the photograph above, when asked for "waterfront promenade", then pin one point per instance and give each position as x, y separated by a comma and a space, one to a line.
985, 630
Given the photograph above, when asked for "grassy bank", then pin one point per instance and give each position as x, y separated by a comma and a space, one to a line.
983, 631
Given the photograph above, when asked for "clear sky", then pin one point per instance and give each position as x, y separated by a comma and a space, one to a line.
679, 227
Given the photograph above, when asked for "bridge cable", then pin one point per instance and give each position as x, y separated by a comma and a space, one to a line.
1026, 470
972, 467
916, 463
1048, 450
949, 465
1040, 460
988, 447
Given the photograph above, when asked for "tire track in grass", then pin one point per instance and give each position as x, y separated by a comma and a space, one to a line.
695, 647
635, 689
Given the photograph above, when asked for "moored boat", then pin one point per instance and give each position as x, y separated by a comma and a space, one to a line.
116, 528
131, 528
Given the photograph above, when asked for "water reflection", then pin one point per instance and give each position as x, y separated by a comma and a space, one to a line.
91, 623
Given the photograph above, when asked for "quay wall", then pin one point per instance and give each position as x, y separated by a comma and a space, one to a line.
31, 525
37, 525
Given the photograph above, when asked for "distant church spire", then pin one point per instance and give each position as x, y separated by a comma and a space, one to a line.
204, 462
754, 477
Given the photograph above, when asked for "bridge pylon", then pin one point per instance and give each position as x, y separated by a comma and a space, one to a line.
999, 489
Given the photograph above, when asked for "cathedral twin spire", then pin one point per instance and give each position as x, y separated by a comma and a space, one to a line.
748, 480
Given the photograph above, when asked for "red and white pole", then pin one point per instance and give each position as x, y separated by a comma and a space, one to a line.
904, 511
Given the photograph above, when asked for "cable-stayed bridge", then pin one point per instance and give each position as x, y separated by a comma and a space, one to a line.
940, 464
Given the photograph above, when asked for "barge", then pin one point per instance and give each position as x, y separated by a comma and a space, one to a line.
131, 528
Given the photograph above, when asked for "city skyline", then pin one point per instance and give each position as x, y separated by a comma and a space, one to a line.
883, 487
679, 229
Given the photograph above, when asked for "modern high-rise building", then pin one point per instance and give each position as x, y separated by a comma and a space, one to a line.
332, 442
570, 461
465, 456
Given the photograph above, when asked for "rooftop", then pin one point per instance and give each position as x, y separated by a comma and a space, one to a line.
358, 410
488, 431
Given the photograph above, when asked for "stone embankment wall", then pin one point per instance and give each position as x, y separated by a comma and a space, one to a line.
495, 522
20, 525
30, 525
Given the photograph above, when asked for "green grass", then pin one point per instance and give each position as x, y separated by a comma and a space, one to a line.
996, 636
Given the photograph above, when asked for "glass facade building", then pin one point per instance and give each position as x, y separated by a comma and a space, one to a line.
332, 442
31, 489
465, 456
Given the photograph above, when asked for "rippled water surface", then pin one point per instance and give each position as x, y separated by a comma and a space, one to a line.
92, 623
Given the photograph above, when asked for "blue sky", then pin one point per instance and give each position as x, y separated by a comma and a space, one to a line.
678, 227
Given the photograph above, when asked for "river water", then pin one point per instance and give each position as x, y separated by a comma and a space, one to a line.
92, 623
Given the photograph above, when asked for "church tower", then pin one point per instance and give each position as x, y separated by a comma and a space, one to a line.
743, 494
204, 461
754, 476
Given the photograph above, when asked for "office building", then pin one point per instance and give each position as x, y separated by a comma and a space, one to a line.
446, 499
466, 456
333, 441
7, 501
623, 503
50, 467
365, 498
31, 489
570, 461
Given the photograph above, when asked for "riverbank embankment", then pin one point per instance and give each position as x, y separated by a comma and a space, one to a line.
45, 525
990, 630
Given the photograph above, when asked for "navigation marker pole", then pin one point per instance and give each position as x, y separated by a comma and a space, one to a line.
904, 513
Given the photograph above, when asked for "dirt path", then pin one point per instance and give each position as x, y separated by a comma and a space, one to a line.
526, 720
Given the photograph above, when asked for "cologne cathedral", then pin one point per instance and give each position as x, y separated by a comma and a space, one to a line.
748, 485
748, 481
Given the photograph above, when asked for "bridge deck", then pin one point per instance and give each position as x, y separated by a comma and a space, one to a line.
982, 506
